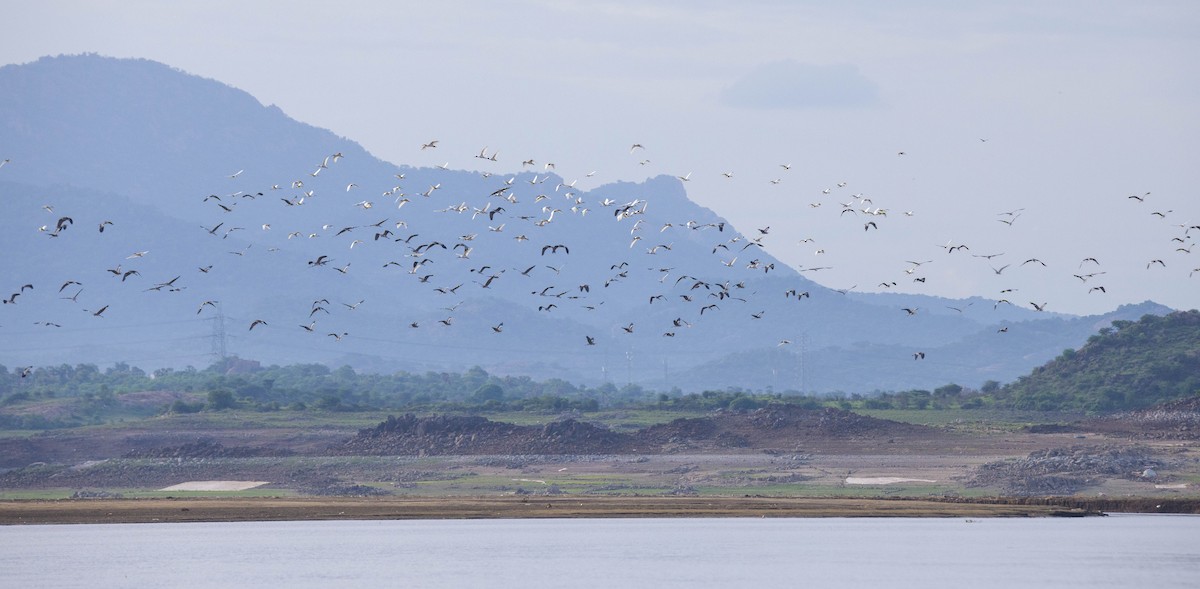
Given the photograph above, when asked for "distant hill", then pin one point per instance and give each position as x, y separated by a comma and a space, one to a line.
1131, 365
248, 217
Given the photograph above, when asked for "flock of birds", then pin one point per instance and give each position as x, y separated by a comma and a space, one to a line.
521, 209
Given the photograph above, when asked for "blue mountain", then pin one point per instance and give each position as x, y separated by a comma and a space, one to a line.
164, 219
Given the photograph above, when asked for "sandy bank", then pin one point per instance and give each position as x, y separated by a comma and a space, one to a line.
272, 509
215, 486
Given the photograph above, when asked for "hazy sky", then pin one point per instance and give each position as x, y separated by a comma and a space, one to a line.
1055, 112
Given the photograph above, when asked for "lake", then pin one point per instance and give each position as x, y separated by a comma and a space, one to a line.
1117, 551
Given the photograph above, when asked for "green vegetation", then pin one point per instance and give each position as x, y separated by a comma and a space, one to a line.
1131, 365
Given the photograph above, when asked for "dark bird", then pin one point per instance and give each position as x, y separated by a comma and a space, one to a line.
170, 285
256, 323
100, 312
919, 356
554, 249
591, 341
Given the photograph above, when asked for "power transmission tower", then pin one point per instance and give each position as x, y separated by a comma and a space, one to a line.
803, 372
218, 335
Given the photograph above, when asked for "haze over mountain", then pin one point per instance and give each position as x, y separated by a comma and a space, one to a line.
211, 196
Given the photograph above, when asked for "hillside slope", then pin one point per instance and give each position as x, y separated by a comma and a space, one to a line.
1131, 365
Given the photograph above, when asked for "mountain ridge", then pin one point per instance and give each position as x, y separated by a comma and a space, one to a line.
266, 197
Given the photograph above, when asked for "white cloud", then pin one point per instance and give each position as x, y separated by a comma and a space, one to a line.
791, 85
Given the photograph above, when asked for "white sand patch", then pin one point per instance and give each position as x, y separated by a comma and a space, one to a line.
884, 480
1175, 486
215, 486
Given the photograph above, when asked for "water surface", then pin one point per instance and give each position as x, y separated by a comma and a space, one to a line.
1118, 551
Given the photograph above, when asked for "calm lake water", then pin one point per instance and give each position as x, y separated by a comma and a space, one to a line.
1117, 551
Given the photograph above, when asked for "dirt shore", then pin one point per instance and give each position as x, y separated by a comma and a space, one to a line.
295, 509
